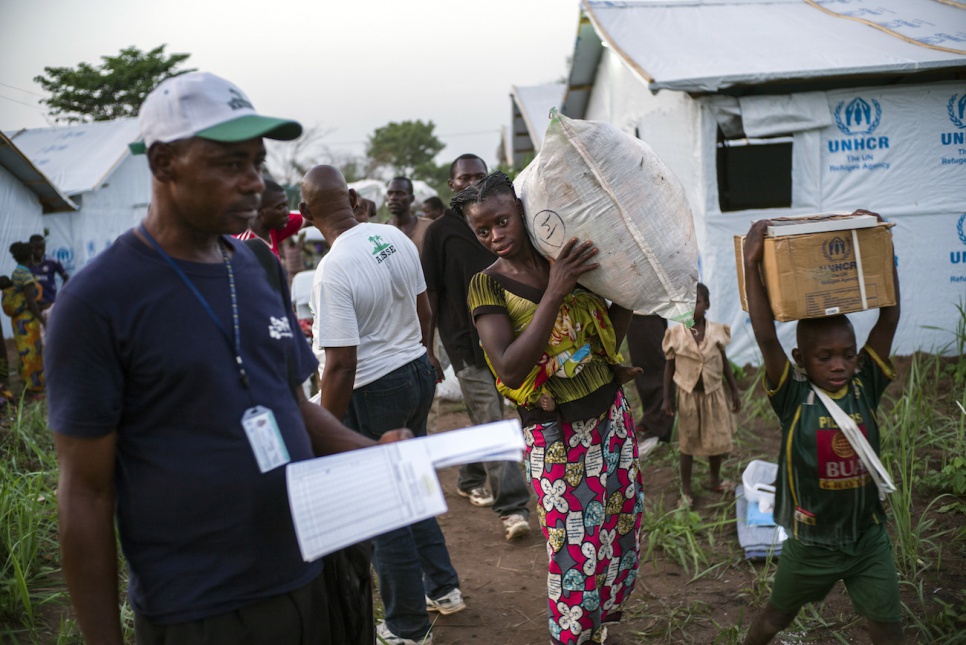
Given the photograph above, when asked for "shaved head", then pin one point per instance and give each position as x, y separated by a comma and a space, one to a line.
811, 331
326, 198
325, 185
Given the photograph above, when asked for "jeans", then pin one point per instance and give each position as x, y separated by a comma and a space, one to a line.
413, 560
485, 405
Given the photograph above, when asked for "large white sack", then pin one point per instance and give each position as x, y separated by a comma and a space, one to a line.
593, 182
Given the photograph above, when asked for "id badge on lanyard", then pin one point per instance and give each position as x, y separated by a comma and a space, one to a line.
264, 436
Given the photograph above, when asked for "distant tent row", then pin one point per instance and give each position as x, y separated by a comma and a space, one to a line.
768, 108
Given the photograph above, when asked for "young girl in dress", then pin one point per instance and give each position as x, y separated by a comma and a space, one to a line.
696, 362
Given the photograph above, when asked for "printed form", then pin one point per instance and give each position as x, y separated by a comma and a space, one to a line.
352, 496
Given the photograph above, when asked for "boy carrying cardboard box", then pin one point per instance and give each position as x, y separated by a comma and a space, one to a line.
830, 483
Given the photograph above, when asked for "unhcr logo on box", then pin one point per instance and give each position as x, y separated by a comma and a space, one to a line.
837, 251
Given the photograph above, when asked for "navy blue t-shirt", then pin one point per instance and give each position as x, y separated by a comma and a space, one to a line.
130, 349
46, 274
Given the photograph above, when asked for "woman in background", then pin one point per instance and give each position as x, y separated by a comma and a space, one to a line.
27, 321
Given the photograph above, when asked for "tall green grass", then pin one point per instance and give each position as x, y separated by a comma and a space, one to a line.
28, 526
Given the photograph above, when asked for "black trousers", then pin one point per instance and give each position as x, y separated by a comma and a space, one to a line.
644, 338
333, 609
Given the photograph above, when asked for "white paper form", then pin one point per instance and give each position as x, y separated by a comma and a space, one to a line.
352, 496
497, 441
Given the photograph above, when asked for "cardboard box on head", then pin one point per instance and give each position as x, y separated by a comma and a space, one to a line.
824, 265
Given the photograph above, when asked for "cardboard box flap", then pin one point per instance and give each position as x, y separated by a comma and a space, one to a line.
821, 223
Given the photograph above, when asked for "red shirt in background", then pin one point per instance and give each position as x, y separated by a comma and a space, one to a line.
295, 221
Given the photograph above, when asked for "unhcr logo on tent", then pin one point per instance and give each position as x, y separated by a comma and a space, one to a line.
959, 257
858, 118
956, 109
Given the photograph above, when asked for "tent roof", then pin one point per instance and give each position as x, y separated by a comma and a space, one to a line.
534, 103
17, 163
78, 158
703, 46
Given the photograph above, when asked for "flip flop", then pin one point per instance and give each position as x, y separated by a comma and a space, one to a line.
725, 486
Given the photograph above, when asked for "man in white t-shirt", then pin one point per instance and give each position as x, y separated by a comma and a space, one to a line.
371, 320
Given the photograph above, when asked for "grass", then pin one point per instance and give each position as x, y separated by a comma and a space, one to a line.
923, 446
28, 527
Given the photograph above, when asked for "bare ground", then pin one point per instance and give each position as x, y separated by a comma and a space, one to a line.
712, 601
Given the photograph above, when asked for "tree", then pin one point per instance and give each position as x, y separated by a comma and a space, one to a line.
114, 89
288, 161
408, 148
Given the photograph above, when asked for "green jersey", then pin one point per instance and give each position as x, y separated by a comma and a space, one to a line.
824, 495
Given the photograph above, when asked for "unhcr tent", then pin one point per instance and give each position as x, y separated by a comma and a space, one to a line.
767, 108
531, 115
90, 163
26, 198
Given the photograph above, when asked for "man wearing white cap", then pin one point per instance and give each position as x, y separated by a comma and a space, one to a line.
172, 362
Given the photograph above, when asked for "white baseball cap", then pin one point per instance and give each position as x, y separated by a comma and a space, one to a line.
200, 104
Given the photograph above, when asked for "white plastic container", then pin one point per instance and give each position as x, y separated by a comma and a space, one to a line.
759, 484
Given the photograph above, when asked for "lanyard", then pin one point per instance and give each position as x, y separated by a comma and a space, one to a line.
235, 346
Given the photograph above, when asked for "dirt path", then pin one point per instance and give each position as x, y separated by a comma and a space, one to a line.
677, 599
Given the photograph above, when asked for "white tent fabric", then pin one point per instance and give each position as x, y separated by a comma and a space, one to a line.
422, 191
91, 163
535, 103
720, 43
899, 150
370, 189
78, 158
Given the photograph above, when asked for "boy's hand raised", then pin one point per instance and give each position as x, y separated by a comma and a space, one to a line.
755, 241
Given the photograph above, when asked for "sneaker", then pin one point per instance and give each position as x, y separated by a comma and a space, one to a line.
448, 604
477, 496
386, 637
647, 447
516, 526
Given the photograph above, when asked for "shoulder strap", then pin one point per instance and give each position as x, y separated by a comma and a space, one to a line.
275, 274
859, 443
273, 269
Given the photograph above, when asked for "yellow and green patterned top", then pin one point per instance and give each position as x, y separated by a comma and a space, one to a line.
581, 348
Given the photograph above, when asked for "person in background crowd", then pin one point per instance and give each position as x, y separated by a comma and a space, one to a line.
365, 211
10, 303
372, 324
274, 222
174, 400
644, 338
399, 201
293, 256
28, 321
450, 258
433, 208
45, 271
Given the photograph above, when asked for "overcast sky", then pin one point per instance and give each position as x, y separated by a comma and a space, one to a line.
347, 67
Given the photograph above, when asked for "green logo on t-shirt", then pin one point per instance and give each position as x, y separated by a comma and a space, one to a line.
381, 251
378, 244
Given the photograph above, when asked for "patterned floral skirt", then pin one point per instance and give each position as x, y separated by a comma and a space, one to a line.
589, 502
30, 346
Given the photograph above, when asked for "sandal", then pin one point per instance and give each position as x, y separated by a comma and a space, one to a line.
686, 502
726, 486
